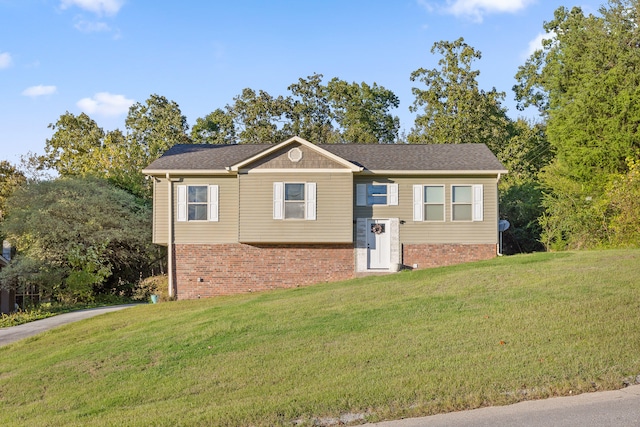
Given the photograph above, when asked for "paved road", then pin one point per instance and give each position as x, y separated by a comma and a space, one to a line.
620, 408
16, 333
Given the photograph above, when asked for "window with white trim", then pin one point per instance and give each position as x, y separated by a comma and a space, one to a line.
197, 202
434, 203
376, 194
466, 203
294, 200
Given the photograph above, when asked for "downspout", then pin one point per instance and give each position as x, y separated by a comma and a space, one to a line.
170, 237
499, 245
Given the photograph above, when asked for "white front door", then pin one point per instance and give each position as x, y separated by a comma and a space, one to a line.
378, 244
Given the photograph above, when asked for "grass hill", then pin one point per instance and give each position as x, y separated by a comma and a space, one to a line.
370, 349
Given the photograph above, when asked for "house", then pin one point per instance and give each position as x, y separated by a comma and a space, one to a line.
242, 218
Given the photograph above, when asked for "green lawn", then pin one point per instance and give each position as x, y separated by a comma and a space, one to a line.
377, 348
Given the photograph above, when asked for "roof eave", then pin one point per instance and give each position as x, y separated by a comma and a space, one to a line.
434, 172
164, 172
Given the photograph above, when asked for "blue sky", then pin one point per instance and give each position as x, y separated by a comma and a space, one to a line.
100, 56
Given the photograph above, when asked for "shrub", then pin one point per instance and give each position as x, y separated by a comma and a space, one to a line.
158, 285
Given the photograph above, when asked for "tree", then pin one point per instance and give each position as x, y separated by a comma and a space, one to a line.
624, 193
10, 179
454, 109
526, 154
156, 126
336, 112
215, 128
259, 118
585, 83
362, 112
80, 148
73, 148
312, 114
77, 236
528, 150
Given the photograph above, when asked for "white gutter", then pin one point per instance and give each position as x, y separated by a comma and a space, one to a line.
182, 172
432, 172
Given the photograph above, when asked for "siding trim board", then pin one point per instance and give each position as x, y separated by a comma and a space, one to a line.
292, 171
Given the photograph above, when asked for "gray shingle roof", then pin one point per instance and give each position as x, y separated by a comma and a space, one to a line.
205, 156
382, 157
417, 157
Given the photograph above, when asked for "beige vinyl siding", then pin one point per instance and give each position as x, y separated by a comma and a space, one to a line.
334, 209
225, 230
448, 231
160, 212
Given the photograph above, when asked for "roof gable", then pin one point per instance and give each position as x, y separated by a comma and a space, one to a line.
291, 143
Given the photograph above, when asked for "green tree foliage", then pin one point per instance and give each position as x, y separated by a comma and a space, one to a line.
361, 111
10, 179
215, 128
72, 148
624, 195
258, 117
79, 147
312, 116
156, 126
76, 237
527, 152
337, 112
585, 83
452, 108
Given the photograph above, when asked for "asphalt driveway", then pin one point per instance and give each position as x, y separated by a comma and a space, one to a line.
16, 333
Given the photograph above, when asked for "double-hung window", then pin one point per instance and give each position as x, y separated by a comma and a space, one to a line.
294, 200
466, 203
434, 203
376, 194
197, 202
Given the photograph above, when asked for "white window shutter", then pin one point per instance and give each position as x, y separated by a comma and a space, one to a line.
310, 200
213, 203
278, 200
478, 205
182, 202
418, 202
393, 194
361, 194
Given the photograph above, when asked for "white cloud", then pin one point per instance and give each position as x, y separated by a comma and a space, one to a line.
40, 90
99, 7
477, 9
105, 104
91, 27
5, 60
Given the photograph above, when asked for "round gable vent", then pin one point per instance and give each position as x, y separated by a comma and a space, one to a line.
295, 154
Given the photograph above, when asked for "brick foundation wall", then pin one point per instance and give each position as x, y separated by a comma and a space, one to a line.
227, 269
438, 255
